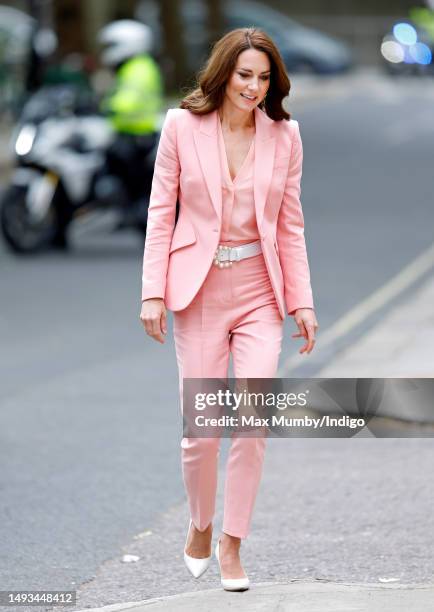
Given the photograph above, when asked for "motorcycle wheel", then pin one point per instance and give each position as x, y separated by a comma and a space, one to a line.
22, 234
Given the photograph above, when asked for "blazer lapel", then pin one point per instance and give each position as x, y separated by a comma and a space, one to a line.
265, 147
206, 143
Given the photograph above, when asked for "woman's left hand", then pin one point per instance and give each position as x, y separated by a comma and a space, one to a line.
307, 324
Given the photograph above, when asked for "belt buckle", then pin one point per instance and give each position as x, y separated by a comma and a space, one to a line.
222, 256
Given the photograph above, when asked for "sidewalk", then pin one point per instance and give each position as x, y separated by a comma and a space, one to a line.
379, 561
294, 597
401, 345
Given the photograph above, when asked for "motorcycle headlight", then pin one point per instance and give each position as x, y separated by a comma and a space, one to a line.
25, 140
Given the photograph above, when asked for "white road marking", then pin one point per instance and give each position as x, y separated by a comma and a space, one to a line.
359, 313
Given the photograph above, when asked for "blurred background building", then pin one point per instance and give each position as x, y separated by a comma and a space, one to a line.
184, 27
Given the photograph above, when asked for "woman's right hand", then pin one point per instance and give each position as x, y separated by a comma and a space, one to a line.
154, 318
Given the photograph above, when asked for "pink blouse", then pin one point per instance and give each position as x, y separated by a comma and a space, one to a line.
238, 212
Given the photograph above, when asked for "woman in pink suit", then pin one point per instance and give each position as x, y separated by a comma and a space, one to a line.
232, 267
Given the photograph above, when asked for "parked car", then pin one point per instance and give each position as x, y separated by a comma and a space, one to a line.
303, 49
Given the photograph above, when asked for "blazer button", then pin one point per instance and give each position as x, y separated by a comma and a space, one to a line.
263, 237
215, 230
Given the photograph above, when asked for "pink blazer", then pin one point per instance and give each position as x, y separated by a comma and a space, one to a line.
177, 259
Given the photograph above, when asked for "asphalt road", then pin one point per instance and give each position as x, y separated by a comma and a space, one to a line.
89, 420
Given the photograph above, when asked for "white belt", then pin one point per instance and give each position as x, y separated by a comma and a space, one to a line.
226, 255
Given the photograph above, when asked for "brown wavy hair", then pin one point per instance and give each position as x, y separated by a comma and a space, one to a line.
212, 78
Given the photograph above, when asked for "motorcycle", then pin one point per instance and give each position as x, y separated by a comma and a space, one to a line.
407, 50
70, 162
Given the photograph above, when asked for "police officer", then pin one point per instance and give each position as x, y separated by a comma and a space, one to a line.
134, 104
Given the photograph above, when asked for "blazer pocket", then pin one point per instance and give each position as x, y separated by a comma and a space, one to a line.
183, 235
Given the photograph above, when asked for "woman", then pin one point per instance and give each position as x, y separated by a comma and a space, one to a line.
233, 159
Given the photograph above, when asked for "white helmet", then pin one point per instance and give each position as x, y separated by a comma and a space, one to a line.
124, 39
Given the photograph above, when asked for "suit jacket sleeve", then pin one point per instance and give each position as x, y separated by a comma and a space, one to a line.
161, 212
290, 234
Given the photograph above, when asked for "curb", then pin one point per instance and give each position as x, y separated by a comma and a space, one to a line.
305, 595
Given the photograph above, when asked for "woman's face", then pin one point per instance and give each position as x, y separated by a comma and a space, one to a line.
251, 77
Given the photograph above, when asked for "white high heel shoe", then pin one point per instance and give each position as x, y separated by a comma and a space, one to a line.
231, 584
196, 566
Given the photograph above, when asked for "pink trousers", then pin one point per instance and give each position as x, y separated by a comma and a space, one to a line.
235, 311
